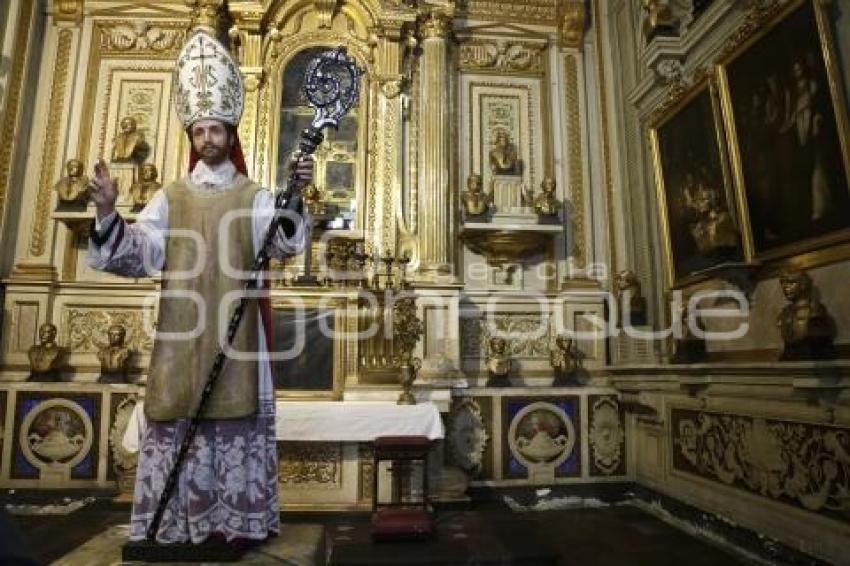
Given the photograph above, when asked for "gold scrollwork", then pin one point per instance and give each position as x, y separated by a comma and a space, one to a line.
317, 463
84, 330
576, 164
124, 38
502, 56
366, 457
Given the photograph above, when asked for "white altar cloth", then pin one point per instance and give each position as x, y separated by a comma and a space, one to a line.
331, 421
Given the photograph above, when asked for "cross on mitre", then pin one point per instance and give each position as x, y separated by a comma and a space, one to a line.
203, 78
207, 82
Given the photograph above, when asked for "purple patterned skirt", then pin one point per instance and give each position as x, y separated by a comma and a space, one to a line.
228, 484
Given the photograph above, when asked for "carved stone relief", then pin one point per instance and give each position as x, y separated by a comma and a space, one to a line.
84, 330
802, 464
606, 436
467, 436
502, 56
528, 335
314, 464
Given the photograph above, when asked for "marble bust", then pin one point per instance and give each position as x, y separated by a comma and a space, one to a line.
475, 201
115, 355
142, 190
806, 327
503, 155
499, 363
46, 357
129, 142
71, 189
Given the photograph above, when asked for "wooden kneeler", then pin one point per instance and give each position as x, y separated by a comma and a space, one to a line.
401, 519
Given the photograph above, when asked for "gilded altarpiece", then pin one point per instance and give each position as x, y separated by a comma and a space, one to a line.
396, 173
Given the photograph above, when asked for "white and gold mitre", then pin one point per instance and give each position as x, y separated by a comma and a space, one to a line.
207, 82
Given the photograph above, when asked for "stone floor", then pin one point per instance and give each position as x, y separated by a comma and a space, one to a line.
612, 535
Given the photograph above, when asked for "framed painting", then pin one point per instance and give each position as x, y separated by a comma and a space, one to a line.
313, 347
694, 192
784, 110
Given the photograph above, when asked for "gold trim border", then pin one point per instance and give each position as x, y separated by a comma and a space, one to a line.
13, 108
576, 171
48, 160
678, 99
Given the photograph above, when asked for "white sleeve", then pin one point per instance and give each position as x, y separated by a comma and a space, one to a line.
131, 250
282, 247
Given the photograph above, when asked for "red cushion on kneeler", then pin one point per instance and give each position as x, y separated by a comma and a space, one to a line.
401, 524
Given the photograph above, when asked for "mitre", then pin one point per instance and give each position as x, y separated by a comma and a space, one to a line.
207, 82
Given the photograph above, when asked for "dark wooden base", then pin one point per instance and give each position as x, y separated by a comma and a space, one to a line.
211, 550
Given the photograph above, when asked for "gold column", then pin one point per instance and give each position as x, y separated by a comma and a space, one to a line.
436, 207
246, 36
388, 126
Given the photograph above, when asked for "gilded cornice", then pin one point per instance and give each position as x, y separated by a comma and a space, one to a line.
501, 55
758, 14
525, 11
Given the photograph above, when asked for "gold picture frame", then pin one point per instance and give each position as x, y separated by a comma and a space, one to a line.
339, 310
786, 122
693, 185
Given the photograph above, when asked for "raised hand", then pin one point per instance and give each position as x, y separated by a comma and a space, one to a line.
102, 190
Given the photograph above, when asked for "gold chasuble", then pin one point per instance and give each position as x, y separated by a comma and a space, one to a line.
180, 365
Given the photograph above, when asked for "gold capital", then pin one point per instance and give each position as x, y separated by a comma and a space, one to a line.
205, 14
436, 24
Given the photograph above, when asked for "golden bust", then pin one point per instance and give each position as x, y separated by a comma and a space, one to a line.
546, 204
807, 329
631, 305
142, 190
499, 363
503, 155
713, 230
129, 142
562, 358
475, 201
72, 188
46, 356
115, 355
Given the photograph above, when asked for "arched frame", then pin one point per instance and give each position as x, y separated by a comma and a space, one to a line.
299, 29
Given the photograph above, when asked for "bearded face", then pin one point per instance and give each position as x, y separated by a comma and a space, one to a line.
212, 140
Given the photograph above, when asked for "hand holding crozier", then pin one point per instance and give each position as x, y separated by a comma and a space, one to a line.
102, 190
